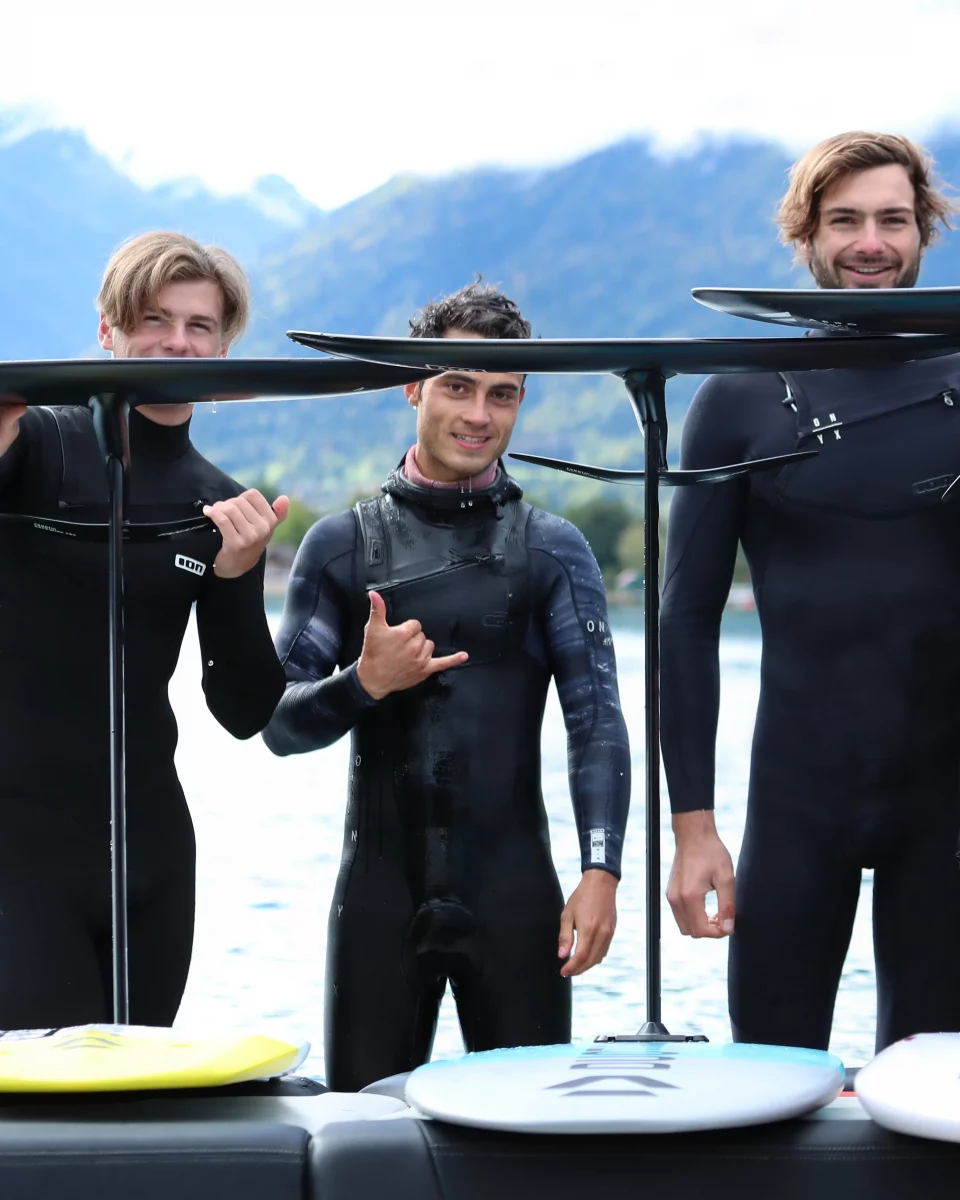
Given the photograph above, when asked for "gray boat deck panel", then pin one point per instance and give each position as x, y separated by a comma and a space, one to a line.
338, 1146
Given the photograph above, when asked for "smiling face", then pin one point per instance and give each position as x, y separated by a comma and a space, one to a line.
185, 322
867, 234
464, 420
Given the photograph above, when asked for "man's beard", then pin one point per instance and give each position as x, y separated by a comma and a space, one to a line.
826, 277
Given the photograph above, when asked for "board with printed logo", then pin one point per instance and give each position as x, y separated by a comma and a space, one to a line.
626, 1087
914, 1086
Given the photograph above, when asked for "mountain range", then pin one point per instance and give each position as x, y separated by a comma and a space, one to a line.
607, 245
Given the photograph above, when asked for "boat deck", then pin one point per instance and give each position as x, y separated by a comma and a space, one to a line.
338, 1146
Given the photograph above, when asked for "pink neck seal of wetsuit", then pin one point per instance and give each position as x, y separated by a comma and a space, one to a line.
483, 480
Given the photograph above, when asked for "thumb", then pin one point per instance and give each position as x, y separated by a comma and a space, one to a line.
10, 414
726, 905
565, 943
378, 610
281, 506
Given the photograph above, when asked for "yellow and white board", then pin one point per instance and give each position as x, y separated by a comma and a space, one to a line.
110, 1058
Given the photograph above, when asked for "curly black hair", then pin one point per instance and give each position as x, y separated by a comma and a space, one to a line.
477, 308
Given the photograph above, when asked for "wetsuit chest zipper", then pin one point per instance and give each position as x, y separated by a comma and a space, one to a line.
834, 425
472, 562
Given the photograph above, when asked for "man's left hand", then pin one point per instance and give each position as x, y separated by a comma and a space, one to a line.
591, 912
247, 523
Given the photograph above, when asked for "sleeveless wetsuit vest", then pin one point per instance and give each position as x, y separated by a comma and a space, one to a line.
456, 763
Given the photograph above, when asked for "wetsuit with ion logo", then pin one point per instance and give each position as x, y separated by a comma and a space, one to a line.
55, 932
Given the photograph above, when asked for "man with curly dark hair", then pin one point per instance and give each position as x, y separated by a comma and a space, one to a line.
447, 603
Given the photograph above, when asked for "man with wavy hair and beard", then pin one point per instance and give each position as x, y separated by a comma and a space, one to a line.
855, 563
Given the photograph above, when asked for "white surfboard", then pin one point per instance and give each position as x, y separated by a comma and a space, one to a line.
626, 1087
914, 1086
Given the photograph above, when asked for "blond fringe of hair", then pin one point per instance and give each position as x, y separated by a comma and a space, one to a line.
143, 265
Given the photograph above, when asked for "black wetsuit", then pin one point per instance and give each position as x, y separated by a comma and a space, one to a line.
446, 870
55, 936
855, 561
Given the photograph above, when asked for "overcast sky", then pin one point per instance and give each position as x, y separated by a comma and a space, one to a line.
339, 96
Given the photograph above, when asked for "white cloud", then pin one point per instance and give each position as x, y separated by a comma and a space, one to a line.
339, 96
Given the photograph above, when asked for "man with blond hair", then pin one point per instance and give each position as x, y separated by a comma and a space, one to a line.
163, 296
855, 564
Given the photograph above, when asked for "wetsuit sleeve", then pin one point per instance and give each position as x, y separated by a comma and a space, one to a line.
573, 612
702, 537
318, 706
243, 679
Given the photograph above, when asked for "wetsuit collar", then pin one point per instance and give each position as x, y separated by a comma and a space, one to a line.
161, 443
497, 494
412, 471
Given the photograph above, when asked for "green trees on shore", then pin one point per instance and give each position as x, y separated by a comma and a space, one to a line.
615, 533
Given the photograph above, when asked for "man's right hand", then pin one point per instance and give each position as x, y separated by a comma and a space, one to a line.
10, 415
396, 657
701, 864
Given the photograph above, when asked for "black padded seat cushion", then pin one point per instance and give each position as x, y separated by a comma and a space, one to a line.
795, 1160
166, 1160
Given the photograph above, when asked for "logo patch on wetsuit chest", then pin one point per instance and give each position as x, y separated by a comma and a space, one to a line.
939, 483
189, 564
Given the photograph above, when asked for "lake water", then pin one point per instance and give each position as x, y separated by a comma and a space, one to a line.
269, 834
